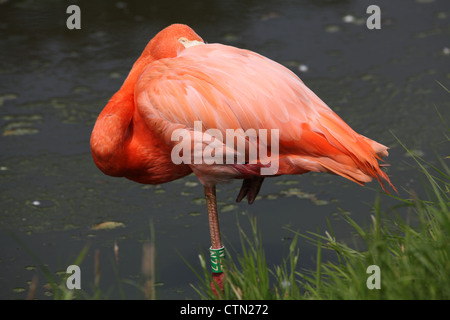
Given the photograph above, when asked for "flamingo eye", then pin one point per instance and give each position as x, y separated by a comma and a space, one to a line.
183, 40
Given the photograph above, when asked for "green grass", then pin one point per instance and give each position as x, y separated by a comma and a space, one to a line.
410, 244
56, 283
249, 277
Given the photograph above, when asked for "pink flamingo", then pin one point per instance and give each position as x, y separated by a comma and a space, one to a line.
178, 80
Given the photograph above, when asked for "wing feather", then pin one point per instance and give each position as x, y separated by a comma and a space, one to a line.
229, 88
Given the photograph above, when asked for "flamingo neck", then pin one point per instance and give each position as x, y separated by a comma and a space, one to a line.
113, 127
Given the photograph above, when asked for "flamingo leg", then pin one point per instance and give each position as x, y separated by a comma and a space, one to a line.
211, 204
216, 250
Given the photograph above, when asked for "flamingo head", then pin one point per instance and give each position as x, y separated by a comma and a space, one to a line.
170, 41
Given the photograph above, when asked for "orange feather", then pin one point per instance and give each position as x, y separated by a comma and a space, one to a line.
170, 87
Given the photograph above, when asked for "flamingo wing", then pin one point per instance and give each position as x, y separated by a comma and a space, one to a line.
229, 88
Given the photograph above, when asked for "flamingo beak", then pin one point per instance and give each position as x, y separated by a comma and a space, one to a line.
192, 43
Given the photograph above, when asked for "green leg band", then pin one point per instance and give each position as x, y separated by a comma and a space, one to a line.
216, 259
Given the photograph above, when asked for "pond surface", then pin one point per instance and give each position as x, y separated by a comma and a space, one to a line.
55, 81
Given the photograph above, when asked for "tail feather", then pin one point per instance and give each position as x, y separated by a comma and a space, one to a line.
351, 156
358, 175
364, 152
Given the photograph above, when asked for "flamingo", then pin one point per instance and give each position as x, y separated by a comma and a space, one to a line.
179, 81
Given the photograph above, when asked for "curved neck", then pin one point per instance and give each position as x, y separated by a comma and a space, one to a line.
112, 127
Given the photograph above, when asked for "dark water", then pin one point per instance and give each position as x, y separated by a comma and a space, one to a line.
55, 81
